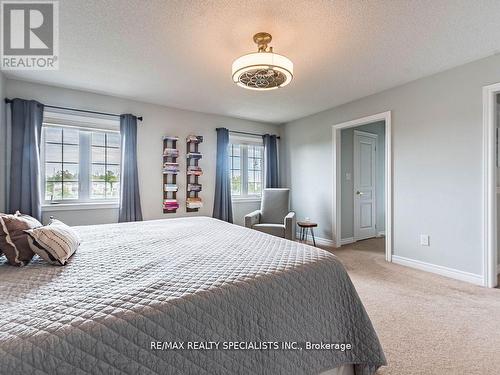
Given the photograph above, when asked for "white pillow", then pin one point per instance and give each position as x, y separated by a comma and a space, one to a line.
55, 242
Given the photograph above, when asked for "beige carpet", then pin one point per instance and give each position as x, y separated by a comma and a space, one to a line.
427, 324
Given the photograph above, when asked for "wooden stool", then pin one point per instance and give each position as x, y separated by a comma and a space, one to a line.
304, 226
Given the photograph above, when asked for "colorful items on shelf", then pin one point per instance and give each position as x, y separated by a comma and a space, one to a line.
194, 187
170, 187
170, 168
194, 138
170, 204
194, 170
170, 171
194, 202
170, 152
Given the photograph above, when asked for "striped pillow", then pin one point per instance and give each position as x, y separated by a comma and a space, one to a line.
55, 242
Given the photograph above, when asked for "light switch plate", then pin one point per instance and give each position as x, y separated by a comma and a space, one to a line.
424, 240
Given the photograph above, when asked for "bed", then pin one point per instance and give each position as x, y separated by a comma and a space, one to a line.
133, 290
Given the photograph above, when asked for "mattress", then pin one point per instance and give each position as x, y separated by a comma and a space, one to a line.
136, 297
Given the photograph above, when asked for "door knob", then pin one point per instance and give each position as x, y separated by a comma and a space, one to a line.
359, 192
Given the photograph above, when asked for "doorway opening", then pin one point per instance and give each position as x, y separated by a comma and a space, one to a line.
491, 184
362, 181
497, 190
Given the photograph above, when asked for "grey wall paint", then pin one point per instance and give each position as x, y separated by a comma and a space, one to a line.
437, 163
3, 145
158, 121
347, 186
83, 217
498, 229
240, 209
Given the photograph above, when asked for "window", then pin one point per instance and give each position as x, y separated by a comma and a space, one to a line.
105, 165
80, 164
235, 157
246, 170
61, 149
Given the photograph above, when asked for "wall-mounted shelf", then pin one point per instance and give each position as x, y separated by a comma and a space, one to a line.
194, 138
170, 187
193, 172
170, 167
194, 155
194, 187
170, 170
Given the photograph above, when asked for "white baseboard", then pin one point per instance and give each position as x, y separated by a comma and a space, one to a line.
381, 233
319, 240
440, 270
346, 241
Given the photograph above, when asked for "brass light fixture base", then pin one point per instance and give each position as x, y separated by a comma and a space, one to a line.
262, 40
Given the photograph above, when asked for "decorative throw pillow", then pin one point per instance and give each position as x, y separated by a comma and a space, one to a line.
55, 243
2, 235
13, 239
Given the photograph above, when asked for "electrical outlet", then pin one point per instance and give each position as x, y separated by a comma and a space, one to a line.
424, 240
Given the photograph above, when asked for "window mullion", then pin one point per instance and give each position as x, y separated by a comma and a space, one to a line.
262, 169
106, 161
62, 165
43, 167
84, 166
244, 170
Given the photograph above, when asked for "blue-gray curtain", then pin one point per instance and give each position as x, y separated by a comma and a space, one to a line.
271, 161
26, 131
223, 209
130, 199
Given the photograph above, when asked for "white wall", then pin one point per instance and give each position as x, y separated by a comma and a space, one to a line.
347, 186
437, 163
158, 121
3, 145
498, 185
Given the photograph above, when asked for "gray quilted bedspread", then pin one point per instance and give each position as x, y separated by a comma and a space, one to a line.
135, 291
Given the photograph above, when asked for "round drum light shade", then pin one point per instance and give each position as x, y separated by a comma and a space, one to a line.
263, 70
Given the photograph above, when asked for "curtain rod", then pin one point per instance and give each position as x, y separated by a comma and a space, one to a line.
247, 133
77, 110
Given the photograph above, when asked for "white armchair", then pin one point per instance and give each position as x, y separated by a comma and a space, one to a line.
274, 216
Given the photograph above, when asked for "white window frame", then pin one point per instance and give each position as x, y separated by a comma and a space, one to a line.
89, 123
244, 142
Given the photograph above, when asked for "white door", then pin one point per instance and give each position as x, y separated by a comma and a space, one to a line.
365, 146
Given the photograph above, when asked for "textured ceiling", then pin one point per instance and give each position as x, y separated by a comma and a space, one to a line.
179, 53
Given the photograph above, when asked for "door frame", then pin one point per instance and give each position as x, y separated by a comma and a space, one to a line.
374, 171
490, 270
337, 196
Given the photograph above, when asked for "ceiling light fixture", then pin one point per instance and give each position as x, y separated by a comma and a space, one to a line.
262, 70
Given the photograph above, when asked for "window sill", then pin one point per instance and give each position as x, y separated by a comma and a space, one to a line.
246, 200
79, 206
